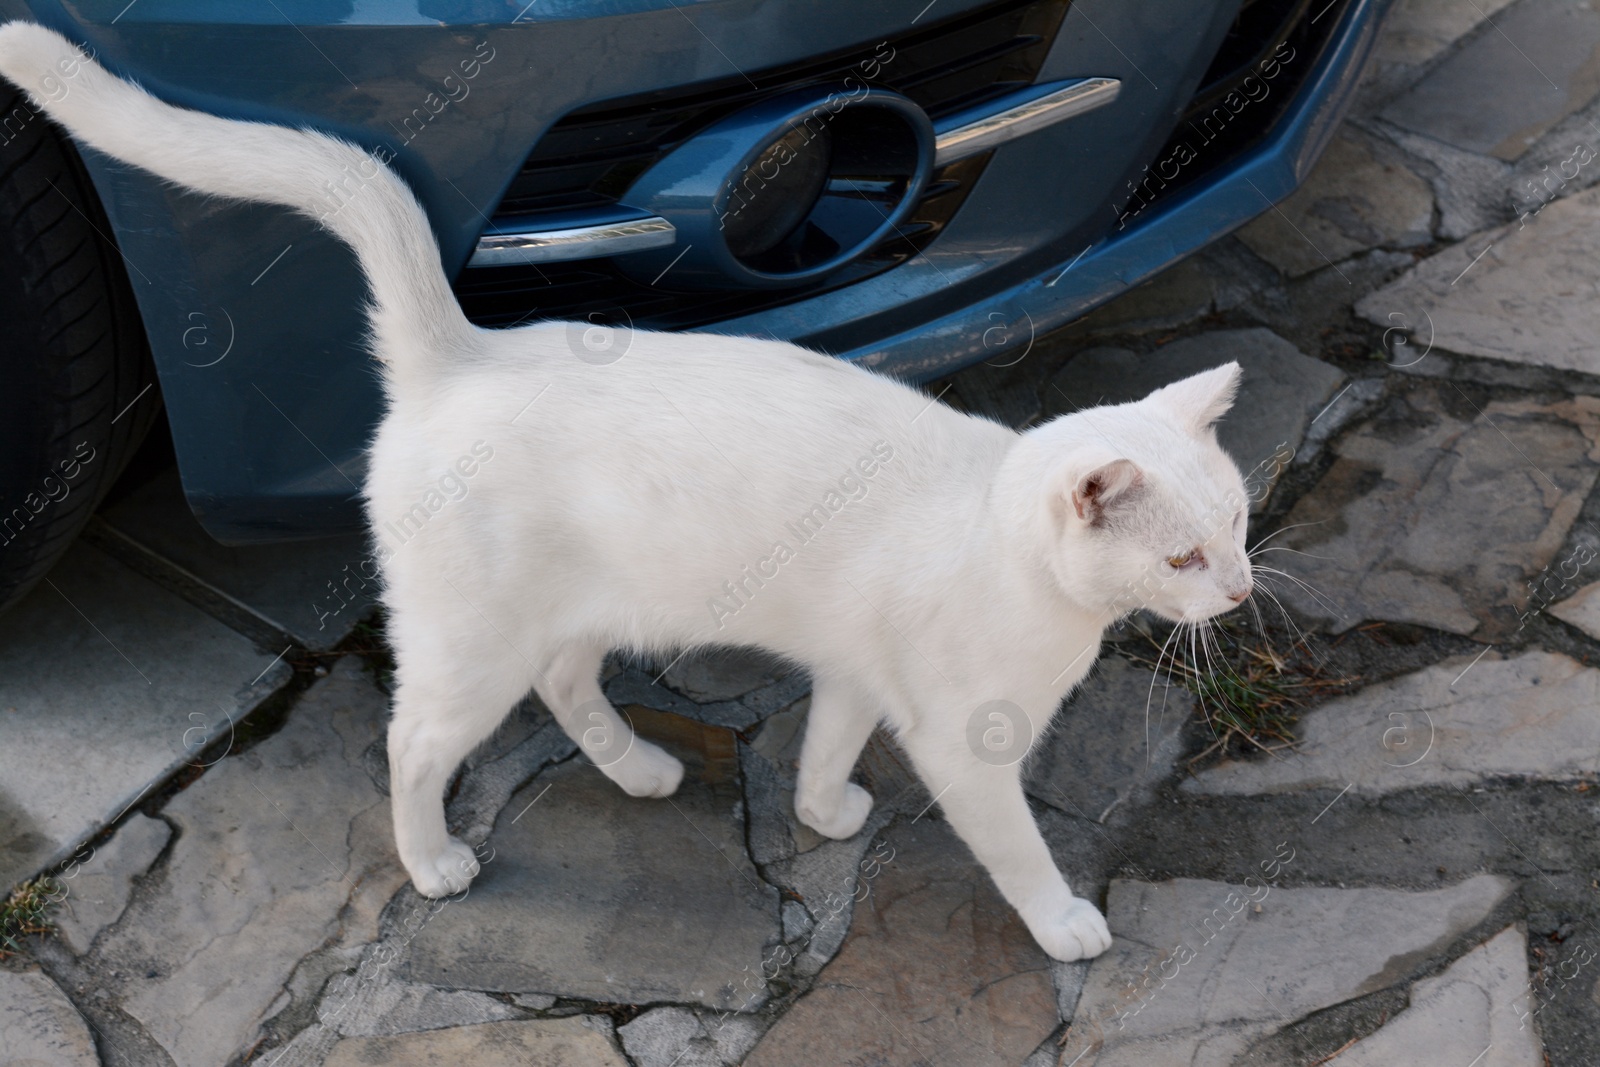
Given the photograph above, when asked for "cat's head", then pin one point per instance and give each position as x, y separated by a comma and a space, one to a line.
1143, 508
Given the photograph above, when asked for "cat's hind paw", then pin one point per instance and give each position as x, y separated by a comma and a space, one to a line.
846, 822
450, 872
646, 771
1078, 932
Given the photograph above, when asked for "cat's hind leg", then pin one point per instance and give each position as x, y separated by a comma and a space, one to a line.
837, 728
444, 707
570, 688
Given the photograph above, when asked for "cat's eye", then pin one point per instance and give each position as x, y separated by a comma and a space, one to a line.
1180, 561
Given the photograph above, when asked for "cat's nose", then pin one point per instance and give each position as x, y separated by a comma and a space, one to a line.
1240, 597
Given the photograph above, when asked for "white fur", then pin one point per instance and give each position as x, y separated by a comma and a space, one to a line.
974, 565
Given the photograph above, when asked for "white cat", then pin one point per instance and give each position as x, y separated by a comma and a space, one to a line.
702, 490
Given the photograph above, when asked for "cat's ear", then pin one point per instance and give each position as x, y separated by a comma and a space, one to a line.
1099, 491
1201, 399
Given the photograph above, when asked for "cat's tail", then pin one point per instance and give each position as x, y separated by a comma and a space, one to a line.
415, 320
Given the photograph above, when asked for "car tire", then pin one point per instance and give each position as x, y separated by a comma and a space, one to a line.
77, 391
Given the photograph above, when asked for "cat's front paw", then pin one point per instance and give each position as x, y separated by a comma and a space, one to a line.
1077, 932
845, 821
646, 771
450, 872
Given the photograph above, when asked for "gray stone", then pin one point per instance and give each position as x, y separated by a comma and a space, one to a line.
96, 651
1217, 278
1417, 31
536, 1001
98, 886
1354, 200
1469, 189
1535, 716
1196, 973
396, 1007
710, 676
1347, 404
678, 1037
39, 1027
1503, 89
599, 895
996, 389
937, 969
313, 592
1437, 514
484, 792
1582, 610
1527, 292
633, 686
1116, 738
1281, 393
573, 1042
282, 850
1468, 1014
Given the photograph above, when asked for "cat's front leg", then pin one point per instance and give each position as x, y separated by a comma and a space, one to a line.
986, 807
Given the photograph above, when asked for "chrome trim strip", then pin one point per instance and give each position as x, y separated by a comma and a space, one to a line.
636, 235
1025, 118
579, 242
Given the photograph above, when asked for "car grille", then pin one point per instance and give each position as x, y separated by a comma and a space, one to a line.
1210, 134
591, 156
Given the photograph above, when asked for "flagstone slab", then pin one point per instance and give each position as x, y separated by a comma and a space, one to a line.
281, 850
1503, 89
1416, 31
39, 1027
1469, 1015
1535, 716
937, 969
1527, 292
593, 893
1438, 511
100, 880
1354, 200
96, 653
572, 1042
1582, 610
1196, 973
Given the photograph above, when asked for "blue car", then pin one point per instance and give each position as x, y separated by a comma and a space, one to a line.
915, 185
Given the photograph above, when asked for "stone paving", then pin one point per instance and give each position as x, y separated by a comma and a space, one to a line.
1416, 880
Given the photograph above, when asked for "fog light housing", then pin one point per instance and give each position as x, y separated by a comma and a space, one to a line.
785, 191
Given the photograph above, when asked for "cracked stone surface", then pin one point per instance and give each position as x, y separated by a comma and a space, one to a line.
99, 886
148, 669
572, 1042
281, 850
596, 894
936, 969
1282, 389
39, 1026
1468, 1014
1491, 97
1536, 715
1102, 750
1419, 30
1428, 516
1354, 200
1582, 609
1532, 296
678, 1037
1195, 974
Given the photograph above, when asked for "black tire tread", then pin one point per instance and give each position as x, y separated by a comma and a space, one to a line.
83, 358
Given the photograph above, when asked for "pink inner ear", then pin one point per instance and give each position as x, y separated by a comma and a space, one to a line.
1101, 488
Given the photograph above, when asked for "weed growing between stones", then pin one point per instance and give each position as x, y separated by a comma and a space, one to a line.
26, 911
1250, 689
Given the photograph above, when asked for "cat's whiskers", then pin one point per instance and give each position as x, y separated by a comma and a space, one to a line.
1149, 697
1282, 530
1307, 586
1252, 554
